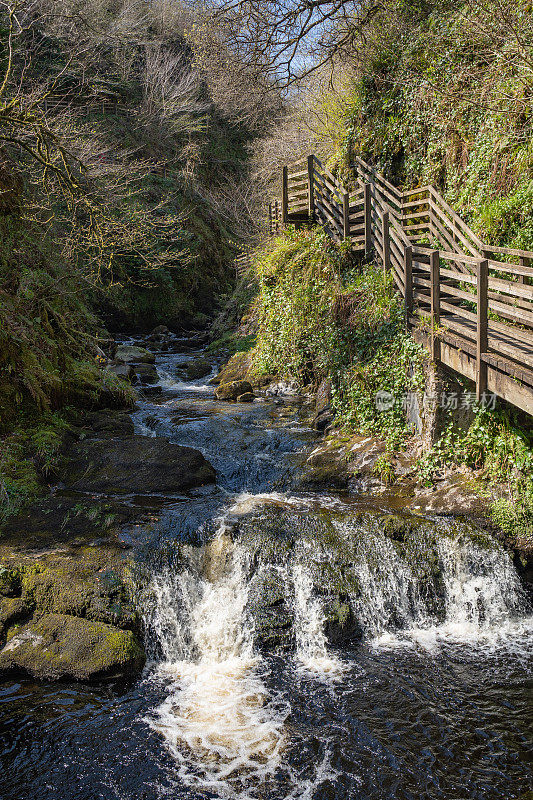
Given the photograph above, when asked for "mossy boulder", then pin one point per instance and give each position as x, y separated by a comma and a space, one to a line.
10, 581
237, 369
12, 610
57, 646
247, 397
77, 590
232, 390
146, 373
135, 464
130, 354
198, 368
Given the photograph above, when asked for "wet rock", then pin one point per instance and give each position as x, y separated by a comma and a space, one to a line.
149, 391
124, 371
454, 495
160, 330
395, 527
198, 368
247, 397
236, 369
323, 397
135, 464
325, 468
12, 610
146, 373
10, 582
130, 354
61, 646
324, 420
65, 587
273, 620
103, 423
232, 390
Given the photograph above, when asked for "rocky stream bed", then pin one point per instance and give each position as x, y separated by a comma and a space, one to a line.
217, 601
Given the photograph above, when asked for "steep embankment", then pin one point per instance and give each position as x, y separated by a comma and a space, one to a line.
334, 326
122, 158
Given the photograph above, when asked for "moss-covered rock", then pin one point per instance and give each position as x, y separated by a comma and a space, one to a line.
198, 368
78, 591
10, 581
12, 610
236, 369
232, 390
61, 646
130, 354
135, 464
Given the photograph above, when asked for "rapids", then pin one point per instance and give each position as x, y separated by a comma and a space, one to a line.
297, 648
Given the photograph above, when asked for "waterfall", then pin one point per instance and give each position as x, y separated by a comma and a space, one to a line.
218, 720
309, 623
226, 731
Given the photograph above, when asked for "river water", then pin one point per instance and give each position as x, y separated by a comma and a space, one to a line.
425, 694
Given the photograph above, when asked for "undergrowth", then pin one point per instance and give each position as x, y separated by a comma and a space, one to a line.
322, 316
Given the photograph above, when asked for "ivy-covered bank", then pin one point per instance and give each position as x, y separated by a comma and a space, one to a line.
322, 318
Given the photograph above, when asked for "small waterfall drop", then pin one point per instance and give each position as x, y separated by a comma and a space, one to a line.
218, 719
309, 624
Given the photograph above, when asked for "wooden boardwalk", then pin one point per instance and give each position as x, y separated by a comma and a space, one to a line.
469, 303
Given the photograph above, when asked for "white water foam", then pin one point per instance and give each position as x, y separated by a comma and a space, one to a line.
309, 621
483, 601
218, 719
167, 381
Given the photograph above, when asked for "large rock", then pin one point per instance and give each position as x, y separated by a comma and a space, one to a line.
146, 373
129, 354
233, 390
236, 369
135, 464
120, 370
12, 610
198, 368
61, 646
67, 587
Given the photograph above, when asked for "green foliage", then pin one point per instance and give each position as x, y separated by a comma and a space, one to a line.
503, 452
299, 276
320, 316
441, 93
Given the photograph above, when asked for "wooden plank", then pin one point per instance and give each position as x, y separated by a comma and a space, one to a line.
454, 228
408, 273
386, 241
508, 251
435, 304
285, 196
411, 192
346, 215
328, 216
310, 189
368, 219
416, 204
482, 342
513, 269
437, 198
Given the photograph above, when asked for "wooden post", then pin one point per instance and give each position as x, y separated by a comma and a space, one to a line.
482, 344
434, 264
285, 196
524, 262
386, 242
311, 187
368, 219
408, 278
346, 215
270, 227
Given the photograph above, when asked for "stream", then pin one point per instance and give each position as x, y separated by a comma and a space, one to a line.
295, 648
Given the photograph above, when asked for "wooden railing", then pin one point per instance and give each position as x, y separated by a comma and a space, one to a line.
470, 303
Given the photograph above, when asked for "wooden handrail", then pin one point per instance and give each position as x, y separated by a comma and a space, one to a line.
481, 308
